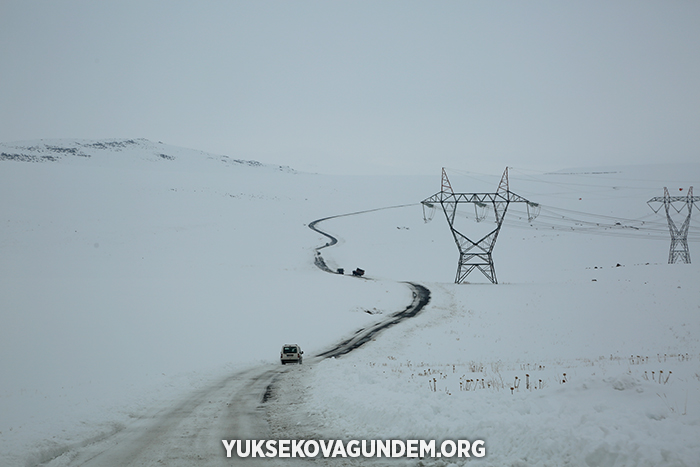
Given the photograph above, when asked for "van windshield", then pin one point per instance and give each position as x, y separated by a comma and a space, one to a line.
290, 350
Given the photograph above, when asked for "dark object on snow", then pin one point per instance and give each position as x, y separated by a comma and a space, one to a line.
341, 271
358, 272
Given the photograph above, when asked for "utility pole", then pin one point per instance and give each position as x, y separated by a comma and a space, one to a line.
679, 251
477, 254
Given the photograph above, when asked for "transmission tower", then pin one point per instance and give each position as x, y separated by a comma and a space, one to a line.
477, 254
679, 251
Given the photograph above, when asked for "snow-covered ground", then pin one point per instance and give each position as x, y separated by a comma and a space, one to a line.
133, 273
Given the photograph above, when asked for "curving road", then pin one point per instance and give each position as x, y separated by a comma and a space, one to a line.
189, 431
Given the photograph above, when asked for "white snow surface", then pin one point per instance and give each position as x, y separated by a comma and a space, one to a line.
133, 273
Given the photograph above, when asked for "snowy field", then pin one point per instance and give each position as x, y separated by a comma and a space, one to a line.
133, 273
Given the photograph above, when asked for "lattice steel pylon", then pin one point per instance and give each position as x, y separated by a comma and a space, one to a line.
476, 254
679, 251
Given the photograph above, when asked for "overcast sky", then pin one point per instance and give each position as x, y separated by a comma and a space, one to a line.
332, 86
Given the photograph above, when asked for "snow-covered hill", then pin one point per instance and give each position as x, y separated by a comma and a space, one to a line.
133, 272
108, 152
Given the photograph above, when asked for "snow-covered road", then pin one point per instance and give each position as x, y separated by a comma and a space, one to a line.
190, 431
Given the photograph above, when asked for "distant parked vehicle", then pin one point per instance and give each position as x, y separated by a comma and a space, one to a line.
291, 353
358, 272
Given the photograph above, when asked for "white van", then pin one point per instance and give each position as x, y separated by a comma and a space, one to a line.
291, 353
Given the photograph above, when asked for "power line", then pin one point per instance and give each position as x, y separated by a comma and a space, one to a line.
567, 220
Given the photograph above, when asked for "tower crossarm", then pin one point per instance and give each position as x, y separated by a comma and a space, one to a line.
483, 198
674, 199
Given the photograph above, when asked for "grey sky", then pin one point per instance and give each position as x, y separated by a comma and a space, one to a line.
392, 86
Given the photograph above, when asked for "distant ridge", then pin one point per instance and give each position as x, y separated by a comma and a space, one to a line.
55, 150
42, 151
